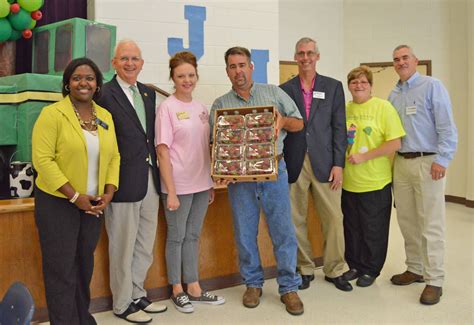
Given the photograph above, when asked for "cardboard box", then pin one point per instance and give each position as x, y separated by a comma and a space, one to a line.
242, 160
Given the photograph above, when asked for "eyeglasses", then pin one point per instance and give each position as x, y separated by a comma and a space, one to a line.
357, 82
301, 54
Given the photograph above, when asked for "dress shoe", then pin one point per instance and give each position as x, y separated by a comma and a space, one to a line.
431, 295
365, 280
350, 275
406, 278
340, 282
305, 281
150, 307
135, 315
293, 303
251, 297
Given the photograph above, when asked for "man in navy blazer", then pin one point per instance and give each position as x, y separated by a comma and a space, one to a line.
132, 217
315, 158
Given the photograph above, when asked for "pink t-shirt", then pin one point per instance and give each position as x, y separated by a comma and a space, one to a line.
184, 128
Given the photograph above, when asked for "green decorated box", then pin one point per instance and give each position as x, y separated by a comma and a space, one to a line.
22, 97
55, 45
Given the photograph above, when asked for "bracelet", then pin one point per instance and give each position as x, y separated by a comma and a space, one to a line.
74, 197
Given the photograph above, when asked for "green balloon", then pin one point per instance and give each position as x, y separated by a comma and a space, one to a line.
16, 35
33, 24
5, 30
20, 20
10, 1
30, 5
4, 8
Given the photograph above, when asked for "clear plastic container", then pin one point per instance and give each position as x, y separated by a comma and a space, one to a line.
229, 167
257, 120
230, 136
260, 166
259, 135
229, 152
231, 122
259, 150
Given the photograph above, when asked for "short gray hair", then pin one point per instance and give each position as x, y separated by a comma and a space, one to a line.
404, 46
126, 41
305, 40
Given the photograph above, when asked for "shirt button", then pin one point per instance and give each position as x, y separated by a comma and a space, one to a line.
147, 141
148, 159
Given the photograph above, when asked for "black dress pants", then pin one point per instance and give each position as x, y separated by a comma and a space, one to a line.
366, 226
68, 238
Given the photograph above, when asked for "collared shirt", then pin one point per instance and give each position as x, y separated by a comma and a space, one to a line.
260, 95
429, 128
126, 89
307, 96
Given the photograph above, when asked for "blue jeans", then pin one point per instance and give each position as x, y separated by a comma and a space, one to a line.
246, 199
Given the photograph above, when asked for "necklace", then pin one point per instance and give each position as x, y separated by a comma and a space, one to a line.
90, 125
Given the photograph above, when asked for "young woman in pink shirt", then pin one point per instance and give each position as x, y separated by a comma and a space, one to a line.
182, 146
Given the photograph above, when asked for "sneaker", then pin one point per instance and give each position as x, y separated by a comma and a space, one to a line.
182, 303
207, 298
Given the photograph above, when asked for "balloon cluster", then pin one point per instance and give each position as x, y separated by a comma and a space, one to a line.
18, 18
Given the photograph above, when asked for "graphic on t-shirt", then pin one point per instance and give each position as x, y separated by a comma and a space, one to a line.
363, 149
204, 116
368, 130
351, 132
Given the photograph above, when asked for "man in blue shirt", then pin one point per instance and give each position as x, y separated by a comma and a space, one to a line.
247, 198
419, 172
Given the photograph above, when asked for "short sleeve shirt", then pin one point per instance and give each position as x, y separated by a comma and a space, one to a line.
184, 129
262, 95
369, 125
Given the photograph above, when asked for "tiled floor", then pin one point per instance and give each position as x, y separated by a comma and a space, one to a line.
382, 303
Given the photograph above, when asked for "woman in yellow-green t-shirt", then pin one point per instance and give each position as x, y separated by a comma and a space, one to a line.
373, 133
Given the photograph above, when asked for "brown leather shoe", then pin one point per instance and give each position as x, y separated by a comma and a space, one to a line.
431, 295
406, 278
293, 303
251, 297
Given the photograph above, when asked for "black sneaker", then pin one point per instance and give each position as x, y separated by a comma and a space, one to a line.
182, 303
207, 298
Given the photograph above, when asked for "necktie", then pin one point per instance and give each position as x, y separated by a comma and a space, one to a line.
138, 105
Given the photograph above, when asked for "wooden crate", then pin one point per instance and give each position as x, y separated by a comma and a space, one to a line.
243, 178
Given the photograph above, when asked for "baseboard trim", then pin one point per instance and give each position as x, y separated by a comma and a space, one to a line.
459, 200
101, 304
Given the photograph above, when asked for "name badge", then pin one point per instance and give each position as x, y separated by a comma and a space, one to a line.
410, 110
182, 115
319, 94
101, 123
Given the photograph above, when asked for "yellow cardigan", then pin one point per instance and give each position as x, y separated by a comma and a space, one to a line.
59, 150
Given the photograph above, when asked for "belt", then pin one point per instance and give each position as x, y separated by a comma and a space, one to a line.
412, 155
279, 157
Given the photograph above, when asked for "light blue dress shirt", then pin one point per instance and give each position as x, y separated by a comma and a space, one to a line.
260, 95
429, 128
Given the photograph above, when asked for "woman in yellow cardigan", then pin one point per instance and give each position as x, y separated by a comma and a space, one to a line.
76, 156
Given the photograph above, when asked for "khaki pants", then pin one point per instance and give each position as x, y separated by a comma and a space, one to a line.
328, 207
131, 228
420, 208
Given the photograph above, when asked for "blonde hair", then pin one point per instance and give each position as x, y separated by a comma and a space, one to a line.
363, 70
